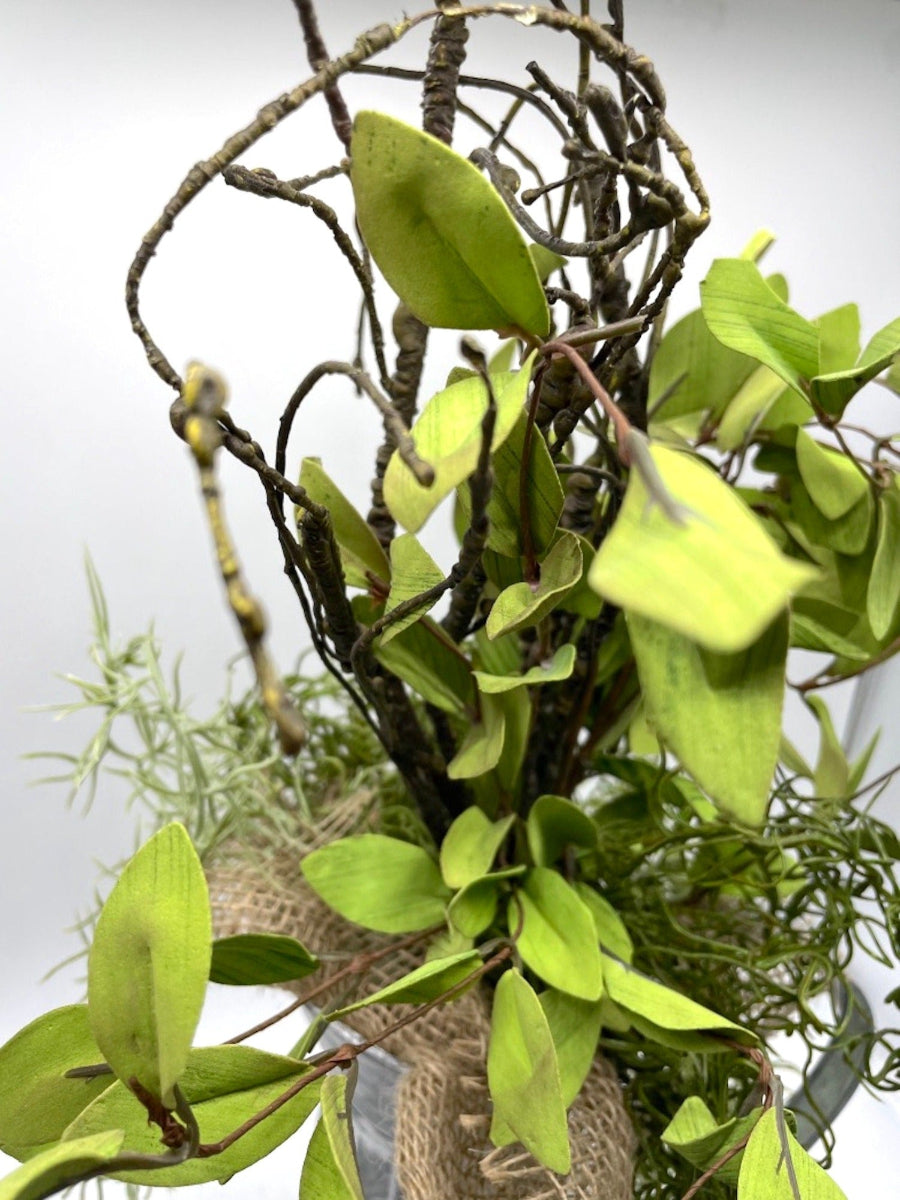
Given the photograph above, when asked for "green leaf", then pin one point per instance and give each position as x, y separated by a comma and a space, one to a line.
745, 314
470, 846
423, 656
330, 1170
413, 571
545, 261
728, 734
544, 496
834, 390
259, 958
425, 983
694, 1133
692, 372
834, 482
558, 940
523, 1074
831, 778
883, 595
718, 578
559, 667
575, 1028
447, 435
224, 1085
524, 605
611, 932
482, 746
440, 233
662, 1007
848, 534
361, 551
149, 963
838, 338
474, 907
37, 1102
749, 406
554, 824
765, 1174
378, 882
58, 1167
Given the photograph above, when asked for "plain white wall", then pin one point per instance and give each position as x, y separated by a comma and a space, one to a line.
789, 105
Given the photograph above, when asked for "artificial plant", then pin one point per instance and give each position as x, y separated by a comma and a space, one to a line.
609, 830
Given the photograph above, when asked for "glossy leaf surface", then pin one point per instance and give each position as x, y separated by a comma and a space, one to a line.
378, 882
149, 963
439, 232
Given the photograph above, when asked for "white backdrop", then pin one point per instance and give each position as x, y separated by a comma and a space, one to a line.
789, 105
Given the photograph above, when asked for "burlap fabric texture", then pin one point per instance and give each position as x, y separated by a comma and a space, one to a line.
442, 1150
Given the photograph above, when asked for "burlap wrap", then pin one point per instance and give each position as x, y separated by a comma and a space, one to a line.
442, 1150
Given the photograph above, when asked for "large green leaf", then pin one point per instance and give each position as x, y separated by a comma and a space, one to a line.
716, 578
575, 1028
470, 846
834, 390
413, 571
611, 932
482, 746
57, 1167
523, 604
330, 1170
378, 882
554, 825
361, 552
440, 233
422, 984
834, 482
746, 314
447, 435
558, 940
720, 713
37, 1102
149, 963
224, 1085
883, 595
694, 1133
662, 1007
544, 496
847, 534
259, 958
692, 372
749, 406
559, 667
523, 1074
765, 1174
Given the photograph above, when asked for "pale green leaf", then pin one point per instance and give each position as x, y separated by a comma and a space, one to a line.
694, 1133
847, 534
361, 552
37, 1102
482, 746
834, 482
259, 958
838, 338
833, 391
727, 736
413, 571
149, 963
749, 406
545, 261
662, 1006
746, 314
831, 778
447, 435
558, 940
378, 882
422, 984
692, 372
423, 656
554, 824
559, 667
575, 1028
611, 932
523, 1075
330, 1170
883, 595
58, 1167
474, 907
718, 578
544, 496
224, 1085
524, 605
440, 233
470, 846
766, 1172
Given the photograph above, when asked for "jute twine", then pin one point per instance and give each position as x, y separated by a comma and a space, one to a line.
442, 1149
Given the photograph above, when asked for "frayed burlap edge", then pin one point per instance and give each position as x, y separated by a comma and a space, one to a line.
442, 1148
